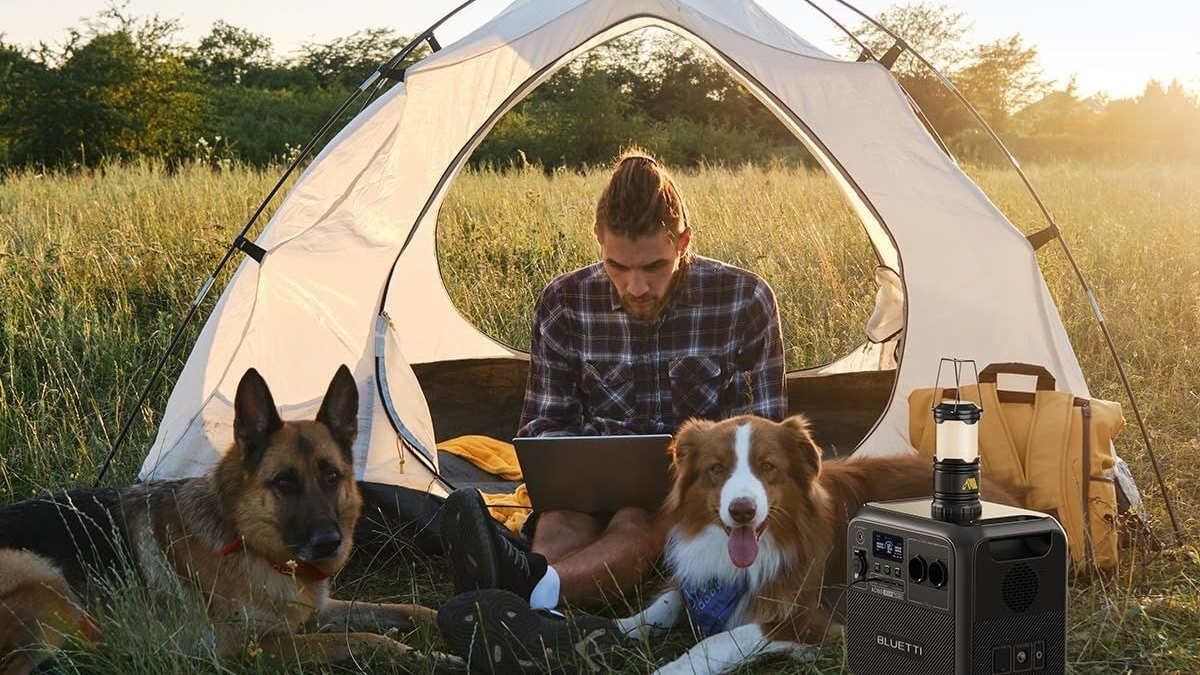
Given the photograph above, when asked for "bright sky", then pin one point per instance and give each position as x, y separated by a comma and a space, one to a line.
1109, 46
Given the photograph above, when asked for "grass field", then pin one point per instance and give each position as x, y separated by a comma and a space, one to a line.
96, 271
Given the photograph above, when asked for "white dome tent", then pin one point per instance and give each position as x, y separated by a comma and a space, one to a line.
346, 270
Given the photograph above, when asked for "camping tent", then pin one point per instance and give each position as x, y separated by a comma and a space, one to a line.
346, 270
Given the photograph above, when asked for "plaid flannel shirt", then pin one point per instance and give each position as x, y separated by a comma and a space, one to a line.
715, 351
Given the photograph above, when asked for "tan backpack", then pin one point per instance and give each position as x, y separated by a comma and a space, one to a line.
1055, 445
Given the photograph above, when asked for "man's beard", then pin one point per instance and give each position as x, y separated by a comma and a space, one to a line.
647, 308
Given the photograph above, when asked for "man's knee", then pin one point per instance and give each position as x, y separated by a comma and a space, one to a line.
574, 522
561, 533
639, 524
632, 516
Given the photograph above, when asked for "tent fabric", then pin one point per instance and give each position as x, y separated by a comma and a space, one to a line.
357, 232
887, 319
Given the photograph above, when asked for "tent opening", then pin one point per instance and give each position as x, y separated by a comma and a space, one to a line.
788, 221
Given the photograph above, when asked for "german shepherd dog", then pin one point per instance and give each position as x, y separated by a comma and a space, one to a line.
254, 541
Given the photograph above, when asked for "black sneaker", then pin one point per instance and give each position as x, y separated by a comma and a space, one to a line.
479, 555
496, 632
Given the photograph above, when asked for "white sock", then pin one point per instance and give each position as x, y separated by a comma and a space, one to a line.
545, 593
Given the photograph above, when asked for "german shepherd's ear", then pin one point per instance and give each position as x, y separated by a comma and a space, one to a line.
808, 453
255, 417
339, 410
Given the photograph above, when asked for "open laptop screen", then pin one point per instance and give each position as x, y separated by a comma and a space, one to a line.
595, 474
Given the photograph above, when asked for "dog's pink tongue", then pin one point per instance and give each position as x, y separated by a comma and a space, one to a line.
743, 546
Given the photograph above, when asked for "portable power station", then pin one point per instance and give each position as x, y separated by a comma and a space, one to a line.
930, 596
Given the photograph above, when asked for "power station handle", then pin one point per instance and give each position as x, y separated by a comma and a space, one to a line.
1020, 547
1045, 380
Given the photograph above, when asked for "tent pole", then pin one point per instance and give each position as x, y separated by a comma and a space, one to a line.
1049, 219
241, 243
1137, 413
162, 360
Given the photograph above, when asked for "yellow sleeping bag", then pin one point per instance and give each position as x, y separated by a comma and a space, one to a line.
498, 458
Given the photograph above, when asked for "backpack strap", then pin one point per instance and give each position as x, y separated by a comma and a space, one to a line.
1086, 408
1045, 380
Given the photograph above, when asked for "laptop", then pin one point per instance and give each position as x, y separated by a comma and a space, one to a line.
595, 474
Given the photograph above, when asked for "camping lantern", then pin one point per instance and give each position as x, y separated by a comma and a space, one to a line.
956, 464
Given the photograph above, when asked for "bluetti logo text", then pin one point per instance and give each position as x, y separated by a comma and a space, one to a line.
892, 643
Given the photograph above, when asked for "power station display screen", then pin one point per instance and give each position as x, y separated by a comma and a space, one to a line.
888, 546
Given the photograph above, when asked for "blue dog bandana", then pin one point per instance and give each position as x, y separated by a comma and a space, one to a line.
710, 605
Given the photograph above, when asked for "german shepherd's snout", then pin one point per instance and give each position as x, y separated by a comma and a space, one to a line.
324, 542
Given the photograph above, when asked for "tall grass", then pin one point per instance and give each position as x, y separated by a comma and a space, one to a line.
510, 233
97, 269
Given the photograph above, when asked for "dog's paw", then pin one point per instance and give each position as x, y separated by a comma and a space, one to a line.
633, 628
802, 653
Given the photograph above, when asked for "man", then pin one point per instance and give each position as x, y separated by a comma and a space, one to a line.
637, 343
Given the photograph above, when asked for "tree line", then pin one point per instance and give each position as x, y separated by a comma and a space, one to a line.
124, 88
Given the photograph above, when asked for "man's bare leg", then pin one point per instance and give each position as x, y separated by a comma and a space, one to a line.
561, 533
574, 558
608, 568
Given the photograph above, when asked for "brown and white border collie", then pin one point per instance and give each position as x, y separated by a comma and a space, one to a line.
756, 538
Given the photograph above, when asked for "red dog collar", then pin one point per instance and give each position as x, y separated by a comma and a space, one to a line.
292, 568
